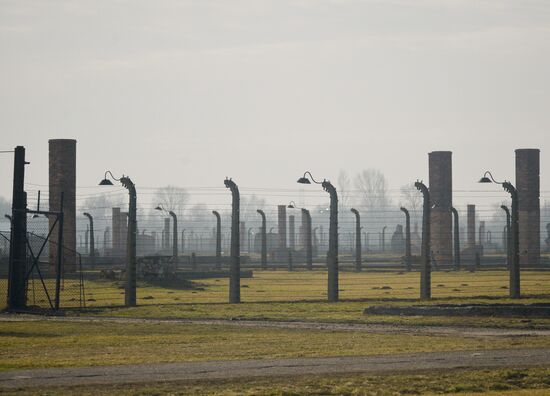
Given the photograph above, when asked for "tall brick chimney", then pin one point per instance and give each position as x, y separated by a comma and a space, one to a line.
528, 186
62, 178
441, 194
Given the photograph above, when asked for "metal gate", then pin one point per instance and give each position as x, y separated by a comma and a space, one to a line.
48, 285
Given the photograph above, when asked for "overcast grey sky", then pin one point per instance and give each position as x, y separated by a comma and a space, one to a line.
188, 92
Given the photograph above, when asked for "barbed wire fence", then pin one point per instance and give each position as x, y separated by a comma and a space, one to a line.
194, 278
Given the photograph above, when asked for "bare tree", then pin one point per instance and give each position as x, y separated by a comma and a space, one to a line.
373, 189
249, 205
410, 197
172, 198
199, 216
100, 206
344, 188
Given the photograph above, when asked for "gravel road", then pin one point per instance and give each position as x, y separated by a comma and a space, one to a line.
279, 367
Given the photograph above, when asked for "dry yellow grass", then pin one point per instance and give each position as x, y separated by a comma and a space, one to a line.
311, 285
501, 382
35, 344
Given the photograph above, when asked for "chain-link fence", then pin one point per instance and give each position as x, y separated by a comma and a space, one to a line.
41, 275
4, 266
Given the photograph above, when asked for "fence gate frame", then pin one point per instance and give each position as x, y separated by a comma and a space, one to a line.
36, 257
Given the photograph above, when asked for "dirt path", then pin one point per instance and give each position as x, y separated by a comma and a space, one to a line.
370, 328
280, 367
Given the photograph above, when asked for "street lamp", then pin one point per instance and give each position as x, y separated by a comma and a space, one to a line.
105, 239
130, 286
92, 238
264, 239
218, 240
357, 239
183, 241
425, 271
235, 263
306, 221
248, 237
174, 231
456, 239
514, 265
332, 259
34, 216
408, 261
508, 236
384, 239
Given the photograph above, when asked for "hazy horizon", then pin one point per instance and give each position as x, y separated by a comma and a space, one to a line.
187, 93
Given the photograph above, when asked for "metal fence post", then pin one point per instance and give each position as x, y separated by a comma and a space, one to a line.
332, 242
408, 261
456, 240
264, 239
218, 239
17, 266
425, 274
308, 240
357, 239
235, 266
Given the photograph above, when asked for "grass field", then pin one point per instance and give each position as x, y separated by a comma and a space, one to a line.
348, 312
284, 286
503, 382
280, 295
39, 344
311, 285
300, 295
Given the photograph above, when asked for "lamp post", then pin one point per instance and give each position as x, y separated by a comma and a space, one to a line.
332, 259
264, 240
130, 286
105, 240
174, 231
456, 239
218, 239
508, 236
86, 237
248, 237
514, 264
425, 272
183, 241
92, 238
384, 239
308, 234
408, 261
235, 266
357, 239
